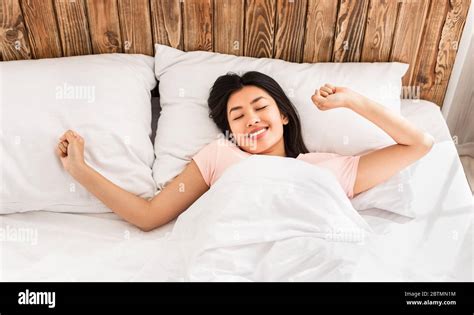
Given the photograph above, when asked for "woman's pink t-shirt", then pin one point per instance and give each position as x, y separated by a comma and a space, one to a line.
217, 156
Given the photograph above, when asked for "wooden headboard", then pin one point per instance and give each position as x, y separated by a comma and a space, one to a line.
423, 33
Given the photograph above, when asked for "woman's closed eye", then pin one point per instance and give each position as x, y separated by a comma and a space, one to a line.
257, 109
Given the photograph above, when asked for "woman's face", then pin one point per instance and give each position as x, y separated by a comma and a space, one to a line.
256, 122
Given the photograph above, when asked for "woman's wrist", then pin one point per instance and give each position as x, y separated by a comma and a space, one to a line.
357, 102
78, 169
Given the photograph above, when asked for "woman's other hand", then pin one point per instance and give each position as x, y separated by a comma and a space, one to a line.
329, 97
70, 151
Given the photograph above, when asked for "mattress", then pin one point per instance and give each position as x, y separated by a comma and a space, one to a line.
436, 246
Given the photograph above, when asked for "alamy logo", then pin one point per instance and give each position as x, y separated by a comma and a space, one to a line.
75, 92
37, 298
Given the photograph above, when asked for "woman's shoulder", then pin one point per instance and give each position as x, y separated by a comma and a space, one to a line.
214, 158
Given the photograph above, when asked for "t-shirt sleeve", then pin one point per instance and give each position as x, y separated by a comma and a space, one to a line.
344, 167
206, 161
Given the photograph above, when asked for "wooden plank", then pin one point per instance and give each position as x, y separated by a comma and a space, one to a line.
104, 26
167, 22
381, 19
43, 33
259, 28
229, 26
290, 22
320, 30
351, 20
408, 32
73, 27
424, 75
448, 47
135, 25
14, 43
197, 25
439, 47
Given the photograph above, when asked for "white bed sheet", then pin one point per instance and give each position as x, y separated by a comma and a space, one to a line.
436, 246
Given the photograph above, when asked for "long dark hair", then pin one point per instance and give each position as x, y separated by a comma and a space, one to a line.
227, 84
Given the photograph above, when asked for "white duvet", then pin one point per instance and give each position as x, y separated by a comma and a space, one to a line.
271, 219
267, 218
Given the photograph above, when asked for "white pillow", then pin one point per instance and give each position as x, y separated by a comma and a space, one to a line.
185, 79
105, 98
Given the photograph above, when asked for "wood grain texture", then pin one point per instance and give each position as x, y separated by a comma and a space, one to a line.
73, 27
408, 32
320, 29
167, 22
135, 24
43, 33
448, 47
14, 43
290, 25
104, 26
424, 68
259, 28
229, 26
423, 33
381, 18
197, 25
350, 28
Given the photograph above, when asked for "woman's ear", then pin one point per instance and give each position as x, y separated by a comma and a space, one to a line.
285, 120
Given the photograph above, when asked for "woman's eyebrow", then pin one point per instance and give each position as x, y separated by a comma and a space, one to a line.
256, 99
235, 108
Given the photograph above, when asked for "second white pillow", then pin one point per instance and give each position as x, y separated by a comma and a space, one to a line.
185, 79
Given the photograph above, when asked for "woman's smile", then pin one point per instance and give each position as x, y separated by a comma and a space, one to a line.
258, 133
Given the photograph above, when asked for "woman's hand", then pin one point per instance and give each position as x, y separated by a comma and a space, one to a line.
329, 97
71, 151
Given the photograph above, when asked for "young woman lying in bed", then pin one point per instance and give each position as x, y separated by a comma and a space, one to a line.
262, 120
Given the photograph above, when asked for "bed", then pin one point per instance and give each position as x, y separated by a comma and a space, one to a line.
436, 246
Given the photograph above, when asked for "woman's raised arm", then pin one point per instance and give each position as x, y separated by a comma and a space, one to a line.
379, 165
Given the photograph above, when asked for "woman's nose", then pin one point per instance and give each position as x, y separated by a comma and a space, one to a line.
253, 120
